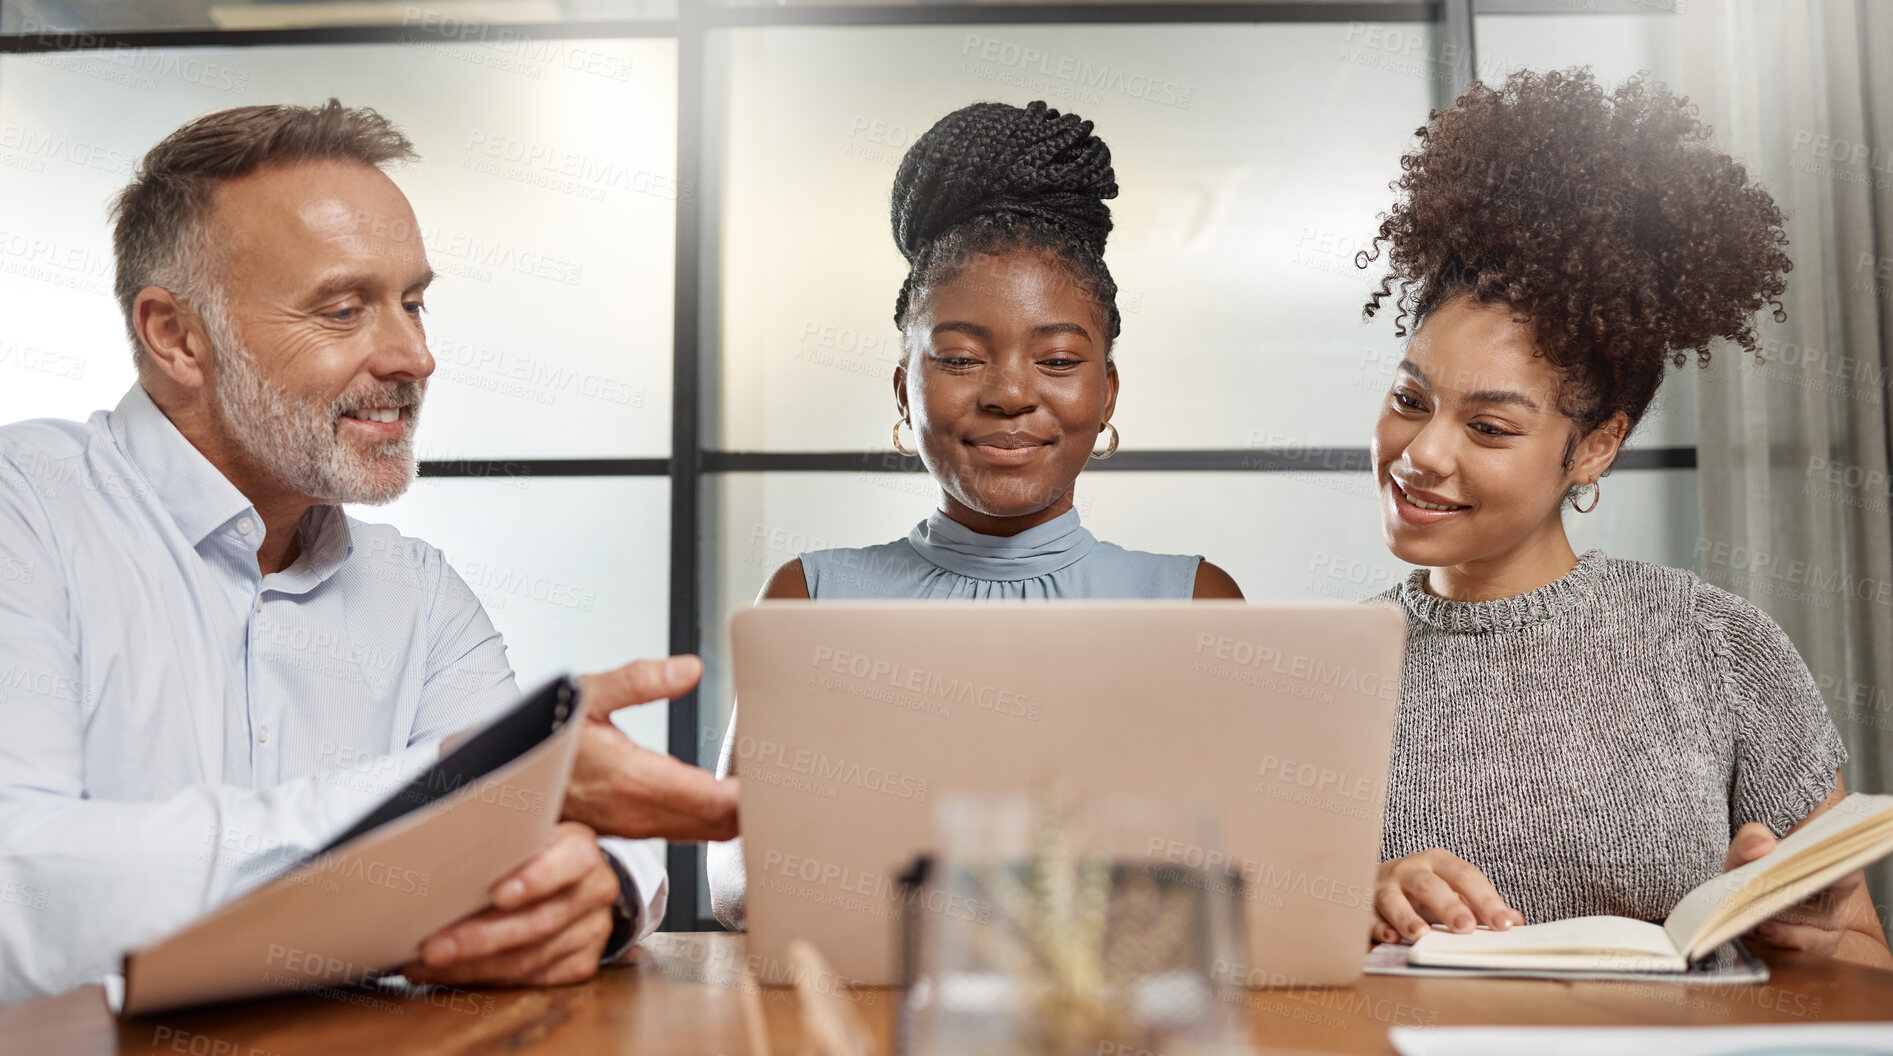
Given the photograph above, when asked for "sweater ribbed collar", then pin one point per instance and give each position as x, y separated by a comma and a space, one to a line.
1058, 543
1567, 593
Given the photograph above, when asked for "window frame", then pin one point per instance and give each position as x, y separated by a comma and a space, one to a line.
690, 461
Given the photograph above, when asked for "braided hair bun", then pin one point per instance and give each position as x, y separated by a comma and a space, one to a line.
991, 179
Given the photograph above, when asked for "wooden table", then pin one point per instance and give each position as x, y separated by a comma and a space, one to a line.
679, 994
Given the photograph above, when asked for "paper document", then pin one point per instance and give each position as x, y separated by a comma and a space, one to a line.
426, 857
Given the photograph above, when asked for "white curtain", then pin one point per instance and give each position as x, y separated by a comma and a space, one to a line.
1794, 450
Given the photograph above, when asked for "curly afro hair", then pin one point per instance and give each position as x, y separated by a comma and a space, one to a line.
992, 179
1604, 219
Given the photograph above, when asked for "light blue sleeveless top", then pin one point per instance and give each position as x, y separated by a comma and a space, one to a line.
942, 559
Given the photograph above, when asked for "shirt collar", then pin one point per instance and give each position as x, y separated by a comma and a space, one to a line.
201, 500
326, 543
196, 494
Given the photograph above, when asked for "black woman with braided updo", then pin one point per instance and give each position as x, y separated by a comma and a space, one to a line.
1006, 381
1577, 735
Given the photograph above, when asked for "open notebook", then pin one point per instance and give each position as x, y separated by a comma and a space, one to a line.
1855, 833
360, 906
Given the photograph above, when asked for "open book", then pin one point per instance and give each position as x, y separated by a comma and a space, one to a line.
1856, 832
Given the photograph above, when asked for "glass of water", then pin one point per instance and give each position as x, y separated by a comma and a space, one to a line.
1046, 926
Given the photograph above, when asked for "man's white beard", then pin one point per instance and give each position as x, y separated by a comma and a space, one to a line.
297, 442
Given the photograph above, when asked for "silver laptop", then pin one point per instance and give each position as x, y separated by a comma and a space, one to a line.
855, 717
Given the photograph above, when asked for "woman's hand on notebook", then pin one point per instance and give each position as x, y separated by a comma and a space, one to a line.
548, 925
1435, 887
621, 788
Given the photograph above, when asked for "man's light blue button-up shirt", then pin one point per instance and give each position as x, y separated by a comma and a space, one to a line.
176, 726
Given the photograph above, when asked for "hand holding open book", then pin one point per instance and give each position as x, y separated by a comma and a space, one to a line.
1856, 832
1819, 923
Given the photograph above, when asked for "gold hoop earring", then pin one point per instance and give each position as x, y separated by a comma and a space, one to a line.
1111, 448
898, 422
1597, 495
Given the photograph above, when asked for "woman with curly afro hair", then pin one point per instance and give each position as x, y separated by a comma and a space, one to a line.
1577, 734
1006, 382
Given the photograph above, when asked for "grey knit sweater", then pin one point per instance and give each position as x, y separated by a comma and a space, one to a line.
1592, 745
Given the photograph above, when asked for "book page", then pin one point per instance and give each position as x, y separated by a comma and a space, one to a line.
1730, 964
1587, 942
1863, 823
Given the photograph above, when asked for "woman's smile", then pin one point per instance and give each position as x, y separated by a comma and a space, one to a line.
1422, 508
1009, 448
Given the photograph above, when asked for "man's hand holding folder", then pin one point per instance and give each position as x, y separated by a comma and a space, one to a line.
551, 917
548, 925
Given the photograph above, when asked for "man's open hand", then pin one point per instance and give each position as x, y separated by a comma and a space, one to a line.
622, 788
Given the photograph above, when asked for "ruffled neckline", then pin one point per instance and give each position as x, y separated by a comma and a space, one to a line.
1056, 544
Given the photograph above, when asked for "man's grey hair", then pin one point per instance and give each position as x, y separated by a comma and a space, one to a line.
160, 223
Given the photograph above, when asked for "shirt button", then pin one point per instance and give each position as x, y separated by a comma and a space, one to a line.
262, 734
245, 525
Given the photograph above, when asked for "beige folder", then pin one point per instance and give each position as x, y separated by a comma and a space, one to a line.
360, 907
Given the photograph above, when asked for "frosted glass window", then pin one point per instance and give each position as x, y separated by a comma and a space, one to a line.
1283, 536
1613, 46
1253, 160
546, 200
573, 571
759, 521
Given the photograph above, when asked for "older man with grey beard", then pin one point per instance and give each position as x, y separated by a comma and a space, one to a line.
201, 642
